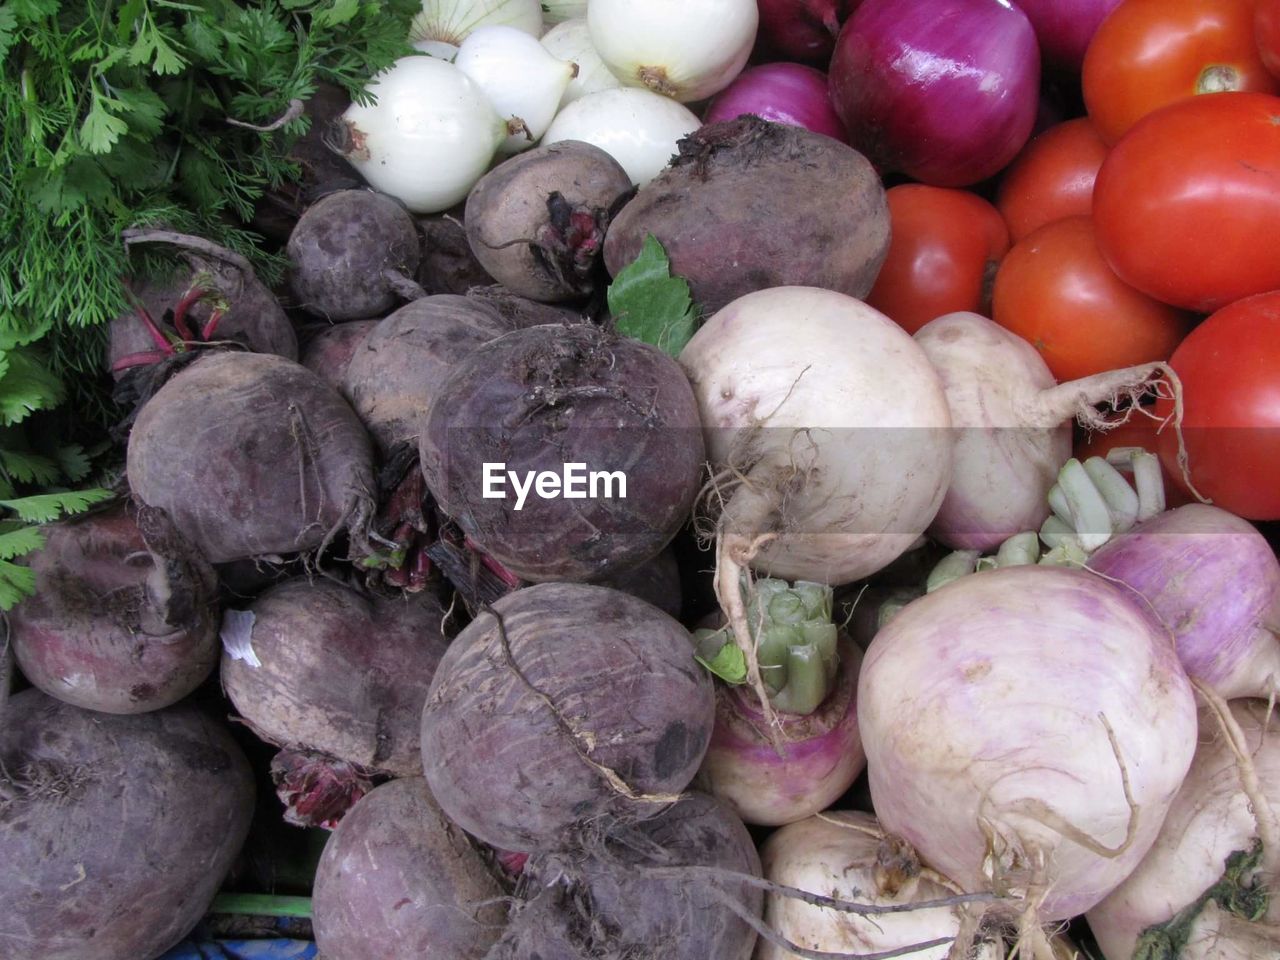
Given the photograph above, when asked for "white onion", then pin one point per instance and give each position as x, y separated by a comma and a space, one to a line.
637, 128
681, 49
452, 20
521, 78
572, 41
558, 11
429, 137
439, 49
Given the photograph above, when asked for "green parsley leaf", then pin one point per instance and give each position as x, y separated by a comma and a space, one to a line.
20, 541
16, 583
101, 129
651, 305
47, 507
729, 663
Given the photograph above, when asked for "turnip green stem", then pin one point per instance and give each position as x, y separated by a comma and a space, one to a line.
1089, 513
1019, 550
1120, 498
953, 566
1147, 478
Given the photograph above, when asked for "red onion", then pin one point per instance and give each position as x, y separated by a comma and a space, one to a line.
782, 92
1065, 27
800, 30
944, 91
1214, 581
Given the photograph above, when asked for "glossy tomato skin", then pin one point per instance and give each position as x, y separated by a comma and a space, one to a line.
1055, 290
1052, 177
1229, 368
1149, 53
1187, 204
944, 248
1266, 30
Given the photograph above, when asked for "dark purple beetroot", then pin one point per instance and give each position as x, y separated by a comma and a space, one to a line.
748, 204
543, 397
125, 617
338, 672
352, 256
398, 881
627, 897
655, 581
250, 455
518, 312
400, 366
225, 286
582, 707
328, 352
537, 221
115, 831
448, 265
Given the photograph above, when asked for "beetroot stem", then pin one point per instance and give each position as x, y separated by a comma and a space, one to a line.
180, 312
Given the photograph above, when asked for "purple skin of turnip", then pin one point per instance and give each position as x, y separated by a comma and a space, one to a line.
1214, 581
537, 221
125, 616
329, 351
540, 398
115, 831
398, 881
564, 707
352, 256
284, 460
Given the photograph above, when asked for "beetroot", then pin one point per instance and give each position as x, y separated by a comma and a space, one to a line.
540, 398
250, 454
115, 831
125, 617
448, 265
325, 668
218, 298
398, 881
352, 254
628, 898
564, 706
748, 204
329, 351
537, 221
400, 366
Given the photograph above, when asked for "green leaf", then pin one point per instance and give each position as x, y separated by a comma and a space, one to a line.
47, 507
16, 584
341, 11
145, 111
729, 664
29, 11
101, 129
27, 386
20, 542
8, 29
129, 13
651, 305
73, 461
29, 467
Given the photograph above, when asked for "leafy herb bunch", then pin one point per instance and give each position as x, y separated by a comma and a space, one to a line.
120, 113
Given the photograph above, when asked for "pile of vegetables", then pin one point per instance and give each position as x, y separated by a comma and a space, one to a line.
600, 480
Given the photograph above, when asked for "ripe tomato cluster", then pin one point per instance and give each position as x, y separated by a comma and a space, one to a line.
1146, 229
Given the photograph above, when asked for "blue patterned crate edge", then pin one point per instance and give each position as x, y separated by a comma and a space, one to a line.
243, 950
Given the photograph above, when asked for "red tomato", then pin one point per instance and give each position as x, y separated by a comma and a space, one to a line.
1148, 53
1266, 30
1055, 291
944, 248
1187, 204
1230, 372
1140, 430
1052, 178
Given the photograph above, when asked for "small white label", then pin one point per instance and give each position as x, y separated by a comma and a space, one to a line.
237, 636
573, 482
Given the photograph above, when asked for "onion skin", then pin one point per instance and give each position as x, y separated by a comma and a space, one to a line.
822, 752
784, 93
1210, 819
803, 31
945, 91
979, 706
1213, 580
1065, 27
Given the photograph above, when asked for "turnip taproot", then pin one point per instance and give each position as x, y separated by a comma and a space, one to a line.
1214, 581
1207, 876
565, 706
115, 831
352, 254
829, 433
328, 669
537, 222
538, 399
748, 204
398, 881
1026, 729
125, 615
399, 368
284, 460
670, 887
1013, 425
